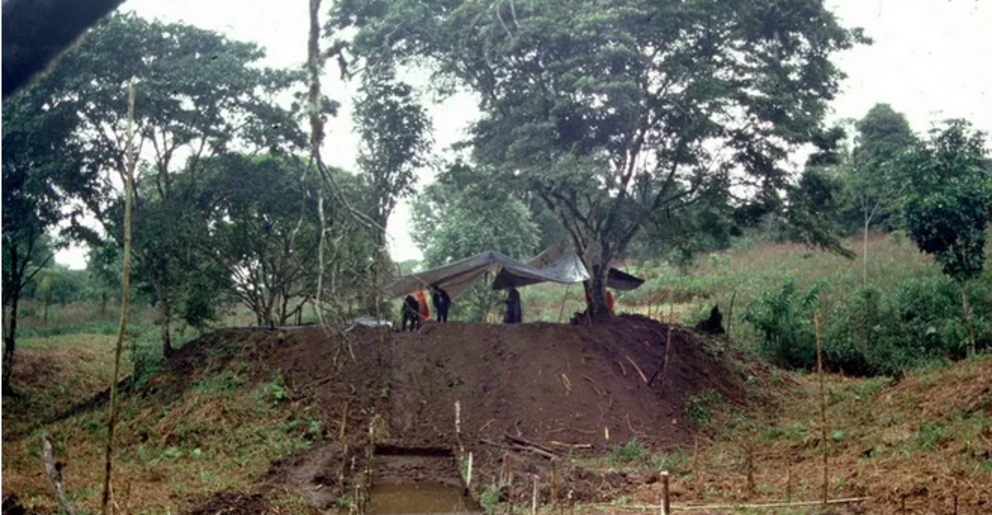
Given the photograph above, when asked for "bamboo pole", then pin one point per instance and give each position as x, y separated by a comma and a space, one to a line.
823, 404
125, 296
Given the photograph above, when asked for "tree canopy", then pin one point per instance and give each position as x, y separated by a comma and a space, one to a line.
611, 112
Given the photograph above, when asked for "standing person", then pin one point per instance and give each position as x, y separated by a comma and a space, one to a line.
411, 313
441, 303
514, 312
422, 304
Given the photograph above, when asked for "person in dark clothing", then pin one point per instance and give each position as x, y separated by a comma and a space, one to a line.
514, 313
411, 313
441, 303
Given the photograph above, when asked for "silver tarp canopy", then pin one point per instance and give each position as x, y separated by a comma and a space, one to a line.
558, 262
458, 276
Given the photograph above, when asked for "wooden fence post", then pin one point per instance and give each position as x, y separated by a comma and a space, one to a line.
823, 404
666, 507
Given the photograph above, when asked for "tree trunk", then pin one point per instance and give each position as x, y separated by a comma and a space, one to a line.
596, 292
967, 318
864, 253
9, 339
164, 319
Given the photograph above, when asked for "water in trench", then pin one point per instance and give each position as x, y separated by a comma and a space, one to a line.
419, 497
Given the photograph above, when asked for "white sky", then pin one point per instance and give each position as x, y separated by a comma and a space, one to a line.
930, 60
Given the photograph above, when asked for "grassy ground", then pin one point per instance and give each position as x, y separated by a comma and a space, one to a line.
925, 438
922, 438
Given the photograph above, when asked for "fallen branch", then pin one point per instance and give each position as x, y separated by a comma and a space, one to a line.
571, 445
54, 472
638, 369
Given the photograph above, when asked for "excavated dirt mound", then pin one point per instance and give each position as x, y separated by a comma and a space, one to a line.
560, 385
526, 393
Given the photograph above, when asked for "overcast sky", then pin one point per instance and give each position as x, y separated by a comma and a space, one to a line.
930, 60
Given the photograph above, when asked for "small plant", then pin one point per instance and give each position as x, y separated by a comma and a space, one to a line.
626, 453
698, 407
932, 435
345, 502
490, 498
675, 460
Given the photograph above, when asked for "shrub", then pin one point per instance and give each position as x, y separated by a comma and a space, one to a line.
626, 453
784, 321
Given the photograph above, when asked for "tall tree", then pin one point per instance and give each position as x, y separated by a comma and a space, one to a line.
883, 134
395, 132
613, 111
263, 230
45, 178
949, 207
201, 94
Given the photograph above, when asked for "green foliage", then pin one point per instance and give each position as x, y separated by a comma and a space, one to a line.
784, 319
612, 112
626, 453
950, 206
395, 132
698, 407
490, 498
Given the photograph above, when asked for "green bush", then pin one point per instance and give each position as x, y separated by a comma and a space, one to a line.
871, 330
626, 453
784, 321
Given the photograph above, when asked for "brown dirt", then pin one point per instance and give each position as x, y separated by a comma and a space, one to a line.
553, 385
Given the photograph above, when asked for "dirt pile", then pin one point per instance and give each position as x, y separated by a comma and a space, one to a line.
530, 391
566, 386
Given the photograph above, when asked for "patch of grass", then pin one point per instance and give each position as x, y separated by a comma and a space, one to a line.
678, 459
626, 453
489, 498
698, 407
932, 435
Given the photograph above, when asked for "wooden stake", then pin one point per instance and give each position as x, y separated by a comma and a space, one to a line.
125, 296
533, 500
823, 404
730, 315
749, 450
468, 480
554, 482
788, 486
561, 312
666, 506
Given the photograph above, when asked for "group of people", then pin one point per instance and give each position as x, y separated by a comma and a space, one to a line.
415, 308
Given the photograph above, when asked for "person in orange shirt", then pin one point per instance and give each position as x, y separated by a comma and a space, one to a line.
609, 301
425, 312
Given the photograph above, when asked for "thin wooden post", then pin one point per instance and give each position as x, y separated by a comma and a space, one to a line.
554, 482
533, 499
749, 450
788, 486
730, 315
823, 404
561, 312
666, 506
468, 480
125, 296
668, 344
